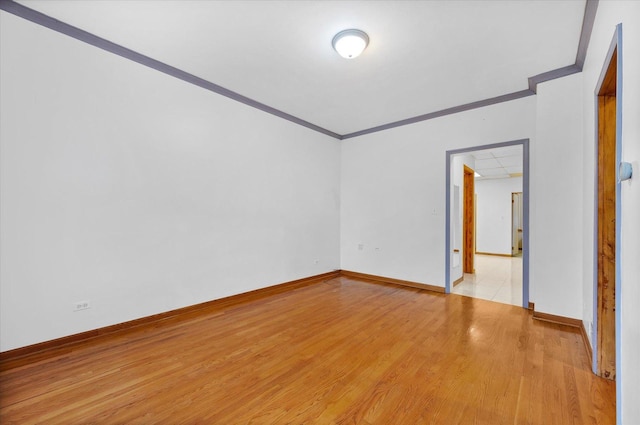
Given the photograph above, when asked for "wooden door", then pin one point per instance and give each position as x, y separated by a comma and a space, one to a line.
468, 221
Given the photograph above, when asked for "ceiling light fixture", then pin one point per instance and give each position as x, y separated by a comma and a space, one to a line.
350, 43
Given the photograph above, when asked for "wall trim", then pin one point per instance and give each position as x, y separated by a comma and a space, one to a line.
552, 75
383, 279
101, 43
39, 18
590, 10
562, 320
458, 281
567, 321
437, 114
47, 349
494, 254
44, 350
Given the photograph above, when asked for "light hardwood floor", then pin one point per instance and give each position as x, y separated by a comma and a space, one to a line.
343, 351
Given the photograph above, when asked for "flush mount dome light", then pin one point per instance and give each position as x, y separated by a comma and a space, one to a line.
350, 43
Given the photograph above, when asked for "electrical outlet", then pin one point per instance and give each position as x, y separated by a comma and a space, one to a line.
81, 305
360, 246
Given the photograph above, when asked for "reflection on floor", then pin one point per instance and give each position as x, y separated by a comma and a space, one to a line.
496, 279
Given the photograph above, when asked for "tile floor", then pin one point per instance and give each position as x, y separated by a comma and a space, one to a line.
496, 279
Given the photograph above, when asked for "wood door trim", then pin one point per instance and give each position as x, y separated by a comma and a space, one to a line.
606, 223
44, 350
19, 356
390, 280
568, 321
468, 220
562, 320
494, 254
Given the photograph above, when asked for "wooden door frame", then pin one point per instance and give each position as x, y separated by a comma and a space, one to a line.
608, 96
606, 222
468, 220
525, 212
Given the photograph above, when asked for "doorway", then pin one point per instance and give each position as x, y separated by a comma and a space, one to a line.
454, 182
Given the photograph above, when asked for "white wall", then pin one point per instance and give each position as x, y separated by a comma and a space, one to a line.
611, 13
556, 236
393, 189
142, 193
493, 220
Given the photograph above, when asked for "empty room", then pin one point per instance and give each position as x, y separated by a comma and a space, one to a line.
292, 212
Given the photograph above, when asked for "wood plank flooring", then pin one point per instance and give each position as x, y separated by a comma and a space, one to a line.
343, 351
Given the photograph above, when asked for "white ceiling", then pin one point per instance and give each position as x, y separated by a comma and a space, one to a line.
423, 56
498, 163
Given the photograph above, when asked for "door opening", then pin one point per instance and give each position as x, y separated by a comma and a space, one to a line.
478, 158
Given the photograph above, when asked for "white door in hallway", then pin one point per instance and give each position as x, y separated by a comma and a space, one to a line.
516, 223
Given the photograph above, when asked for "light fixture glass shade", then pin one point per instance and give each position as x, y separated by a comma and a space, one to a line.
350, 43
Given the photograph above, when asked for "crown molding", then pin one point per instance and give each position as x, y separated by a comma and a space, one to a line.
39, 18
